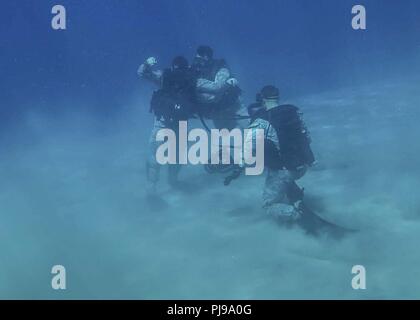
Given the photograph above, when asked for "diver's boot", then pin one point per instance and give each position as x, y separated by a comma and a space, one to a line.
308, 221
284, 213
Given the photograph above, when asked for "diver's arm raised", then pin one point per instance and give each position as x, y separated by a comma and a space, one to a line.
146, 71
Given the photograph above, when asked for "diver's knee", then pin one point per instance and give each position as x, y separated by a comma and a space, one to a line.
284, 212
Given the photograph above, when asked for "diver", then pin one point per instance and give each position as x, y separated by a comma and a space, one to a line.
217, 91
174, 101
287, 154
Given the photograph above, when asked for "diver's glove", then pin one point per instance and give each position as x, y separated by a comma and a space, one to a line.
145, 67
232, 82
151, 61
233, 176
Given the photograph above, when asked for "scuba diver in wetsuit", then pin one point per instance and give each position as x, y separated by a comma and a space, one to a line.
287, 154
217, 91
173, 102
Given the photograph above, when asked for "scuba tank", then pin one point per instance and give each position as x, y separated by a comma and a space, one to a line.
293, 136
175, 100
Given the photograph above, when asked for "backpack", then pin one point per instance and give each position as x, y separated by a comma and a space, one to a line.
294, 139
175, 100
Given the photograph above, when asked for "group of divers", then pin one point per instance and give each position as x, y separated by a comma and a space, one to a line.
206, 89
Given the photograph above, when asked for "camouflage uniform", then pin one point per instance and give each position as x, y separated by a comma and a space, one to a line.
209, 94
152, 166
279, 183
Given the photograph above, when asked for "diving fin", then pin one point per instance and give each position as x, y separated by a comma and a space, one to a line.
316, 225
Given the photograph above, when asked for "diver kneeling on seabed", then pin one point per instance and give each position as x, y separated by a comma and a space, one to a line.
287, 156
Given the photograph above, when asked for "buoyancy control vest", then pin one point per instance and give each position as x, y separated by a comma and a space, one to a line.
209, 72
175, 100
293, 136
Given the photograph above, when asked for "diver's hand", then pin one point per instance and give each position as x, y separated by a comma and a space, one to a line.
145, 67
235, 175
232, 82
151, 61
228, 180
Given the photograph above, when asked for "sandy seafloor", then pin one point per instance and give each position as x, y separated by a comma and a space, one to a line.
72, 193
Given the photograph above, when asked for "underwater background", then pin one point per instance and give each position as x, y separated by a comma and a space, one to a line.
74, 131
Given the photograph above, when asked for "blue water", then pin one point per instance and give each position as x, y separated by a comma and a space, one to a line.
74, 130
